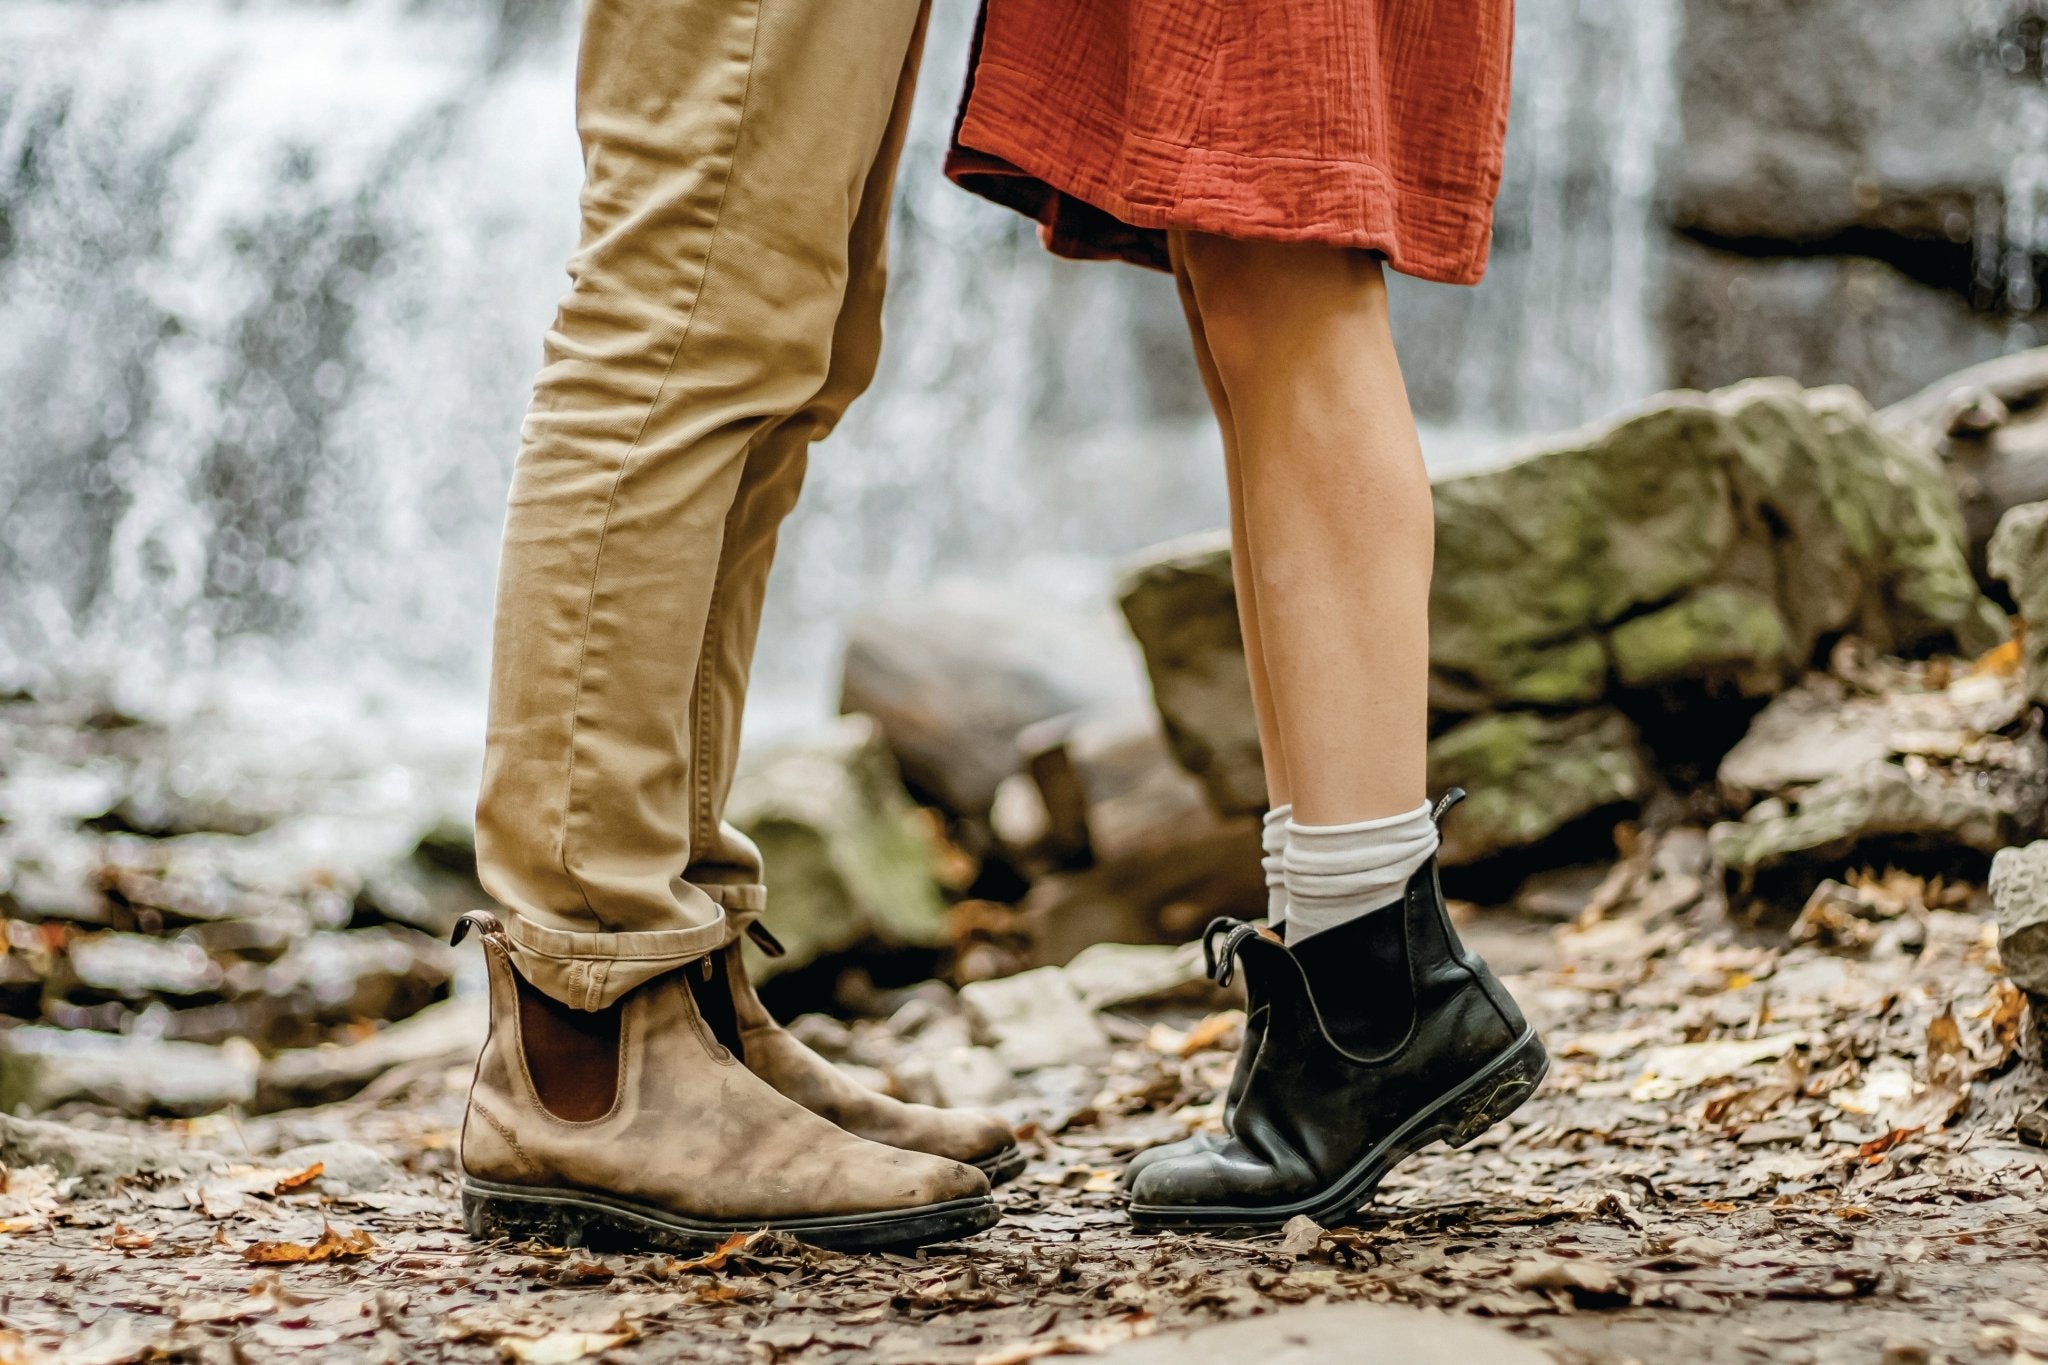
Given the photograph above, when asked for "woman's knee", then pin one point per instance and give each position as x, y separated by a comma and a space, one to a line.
1254, 294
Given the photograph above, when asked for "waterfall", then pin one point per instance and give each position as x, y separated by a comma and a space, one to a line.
2012, 238
273, 276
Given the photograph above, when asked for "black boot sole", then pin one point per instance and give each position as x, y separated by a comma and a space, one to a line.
1457, 1118
1003, 1166
579, 1218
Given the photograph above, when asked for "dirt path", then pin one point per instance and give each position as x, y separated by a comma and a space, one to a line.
1746, 1151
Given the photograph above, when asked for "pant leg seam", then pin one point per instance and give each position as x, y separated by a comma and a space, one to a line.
625, 463
700, 740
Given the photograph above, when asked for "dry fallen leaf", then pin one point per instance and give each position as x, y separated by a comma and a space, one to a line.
306, 1177
334, 1245
1091, 1342
1574, 1276
14, 1350
2003, 660
1945, 1047
1749, 1104
1301, 1235
1212, 1032
2007, 1014
557, 1348
1678, 1067
716, 1258
1874, 1150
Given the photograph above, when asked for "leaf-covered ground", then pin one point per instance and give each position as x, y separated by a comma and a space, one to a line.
1756, 1143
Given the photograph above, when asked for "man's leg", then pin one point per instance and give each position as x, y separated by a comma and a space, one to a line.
726, 865
728, 145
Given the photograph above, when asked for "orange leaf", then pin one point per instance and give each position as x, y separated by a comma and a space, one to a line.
124, 1238
1210, 1032
1945, 1037
716, 1258
1873, 1151
2001, 661
305, 1177
343, 1245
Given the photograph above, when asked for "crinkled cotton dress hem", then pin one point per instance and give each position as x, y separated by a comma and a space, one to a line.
1047, 126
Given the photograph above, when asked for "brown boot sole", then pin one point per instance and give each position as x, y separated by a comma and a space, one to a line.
1003, 1166
570, 1218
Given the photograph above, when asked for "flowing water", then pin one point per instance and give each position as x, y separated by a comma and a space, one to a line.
2013, 236
273, 275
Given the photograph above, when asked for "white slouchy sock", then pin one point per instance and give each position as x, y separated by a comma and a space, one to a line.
1273, 839
1337, 873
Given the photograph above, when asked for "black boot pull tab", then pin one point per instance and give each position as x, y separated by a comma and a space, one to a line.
1223, 964
1444, 804
764, 940
483, 921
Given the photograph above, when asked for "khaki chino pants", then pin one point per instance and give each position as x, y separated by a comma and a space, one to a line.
725, 308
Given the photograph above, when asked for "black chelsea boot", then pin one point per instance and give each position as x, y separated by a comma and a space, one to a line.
1335, 1089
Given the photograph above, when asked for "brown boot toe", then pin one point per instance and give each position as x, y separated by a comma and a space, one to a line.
940, 1181
974, 1137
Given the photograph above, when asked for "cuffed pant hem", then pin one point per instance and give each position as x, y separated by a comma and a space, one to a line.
588, 971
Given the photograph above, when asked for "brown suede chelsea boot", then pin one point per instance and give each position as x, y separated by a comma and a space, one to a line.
635, 1126
974, 1136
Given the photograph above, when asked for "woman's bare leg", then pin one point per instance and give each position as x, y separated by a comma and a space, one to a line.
1279, 791
1332, 503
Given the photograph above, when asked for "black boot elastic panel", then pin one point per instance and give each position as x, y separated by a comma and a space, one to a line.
1344, 1080
1357, 974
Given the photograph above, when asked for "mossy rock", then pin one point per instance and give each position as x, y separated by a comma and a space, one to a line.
845, 859
1708, 543
1530, 774
2019, 555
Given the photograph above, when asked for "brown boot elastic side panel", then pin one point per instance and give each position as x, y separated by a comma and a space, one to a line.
572, 1054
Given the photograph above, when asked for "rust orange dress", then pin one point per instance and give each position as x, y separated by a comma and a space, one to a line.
1365, 123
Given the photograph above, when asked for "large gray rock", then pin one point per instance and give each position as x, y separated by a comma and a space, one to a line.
1989, 426
1843, 174
1840, 771
846, 861
1034, 1019
1819, 319
2019, 888
2019, 555
1708, 541
345, 1167
1808, 119
952, 677
41, 1068
97, 1161
1712, 538
447, 1033
1182, 606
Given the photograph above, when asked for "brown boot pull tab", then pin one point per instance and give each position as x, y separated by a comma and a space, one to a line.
483, 921
764, 940
1444, 804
